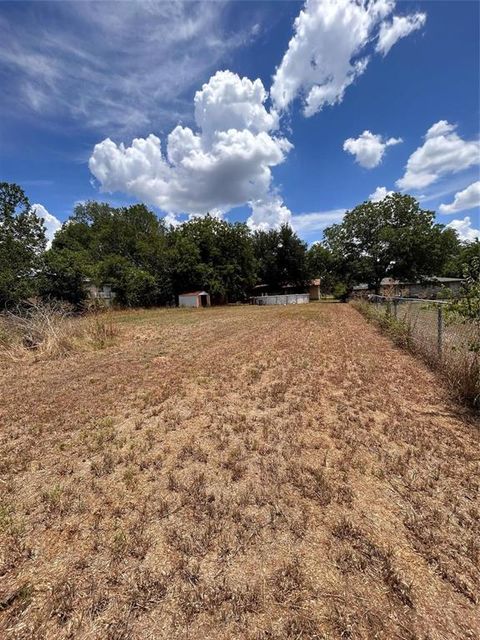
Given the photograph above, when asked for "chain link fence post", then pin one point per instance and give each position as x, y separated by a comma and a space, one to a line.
439, 331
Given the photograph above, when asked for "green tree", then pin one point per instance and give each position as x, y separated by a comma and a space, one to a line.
462, 261
22, 241
322, 264
133, 286
393, 237
282, 258
212, 254
63, 276
125, 247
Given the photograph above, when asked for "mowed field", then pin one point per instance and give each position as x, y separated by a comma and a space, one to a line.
245, 472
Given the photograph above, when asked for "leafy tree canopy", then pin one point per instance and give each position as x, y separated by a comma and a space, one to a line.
393, 237
148, 263
282, 258
22, 240
208, 253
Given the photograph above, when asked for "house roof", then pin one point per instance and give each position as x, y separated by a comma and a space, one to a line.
392, 282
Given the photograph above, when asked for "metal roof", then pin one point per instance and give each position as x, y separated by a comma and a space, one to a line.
193, 293
426, 280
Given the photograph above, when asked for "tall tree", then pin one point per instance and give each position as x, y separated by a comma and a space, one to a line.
212, 254
321, 264
126, 247
393, 237
282, 258
22, 240
461, 261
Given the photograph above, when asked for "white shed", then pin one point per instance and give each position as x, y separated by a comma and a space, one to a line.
194, 299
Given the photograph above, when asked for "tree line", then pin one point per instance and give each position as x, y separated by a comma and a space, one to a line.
149, 263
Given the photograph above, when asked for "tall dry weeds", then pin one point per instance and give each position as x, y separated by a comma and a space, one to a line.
45, 330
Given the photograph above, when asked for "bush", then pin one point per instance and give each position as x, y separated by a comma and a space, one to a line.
340, 291
397, 330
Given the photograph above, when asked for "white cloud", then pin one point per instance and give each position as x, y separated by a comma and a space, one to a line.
50, 222
268, 213
380, 193
316, 221
464, 229
329, 50
397, 28
225, 163
119, 71
442, 152
466, 199
369, 148
228, 102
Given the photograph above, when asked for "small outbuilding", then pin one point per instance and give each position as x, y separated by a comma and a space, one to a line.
314, 289
194, 299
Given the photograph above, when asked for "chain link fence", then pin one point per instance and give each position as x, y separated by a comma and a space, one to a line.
430, 326
432, 329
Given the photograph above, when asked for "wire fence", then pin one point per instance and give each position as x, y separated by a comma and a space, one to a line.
431, 328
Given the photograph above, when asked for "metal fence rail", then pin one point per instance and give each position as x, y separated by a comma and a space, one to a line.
429, 325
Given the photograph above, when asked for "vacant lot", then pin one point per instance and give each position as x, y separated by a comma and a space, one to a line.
251, 472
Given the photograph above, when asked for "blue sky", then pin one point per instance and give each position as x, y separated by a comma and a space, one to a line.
352, 101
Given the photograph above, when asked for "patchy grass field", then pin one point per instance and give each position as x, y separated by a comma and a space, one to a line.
254, 473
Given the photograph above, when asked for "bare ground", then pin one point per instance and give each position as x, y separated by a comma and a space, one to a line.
252, 473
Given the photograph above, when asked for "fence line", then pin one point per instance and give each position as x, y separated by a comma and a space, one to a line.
428, 327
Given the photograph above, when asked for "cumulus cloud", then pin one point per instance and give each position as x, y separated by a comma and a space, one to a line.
50, 222
229, 102
369, 148
464, 229
443, 152
226, 158
225, 162
380, 193
466, 199
397, 28
328, 50
268, 214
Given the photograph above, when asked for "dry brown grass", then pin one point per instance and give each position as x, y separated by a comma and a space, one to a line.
237, 473
45, 331
416, 330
